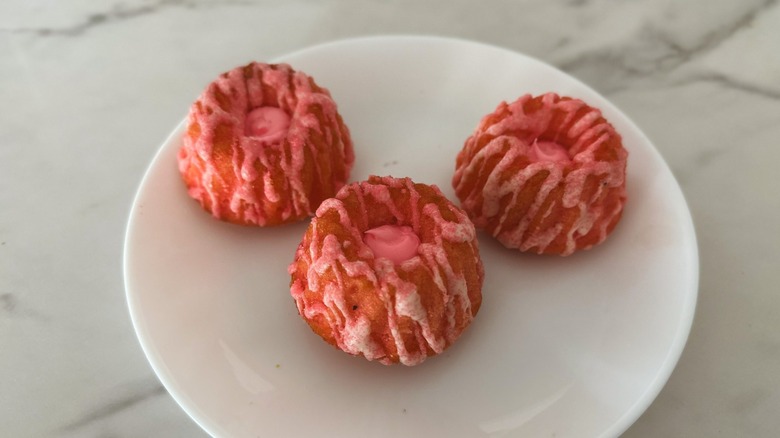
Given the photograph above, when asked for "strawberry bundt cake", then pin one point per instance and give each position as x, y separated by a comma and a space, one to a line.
389, 270
543, 174
264, 146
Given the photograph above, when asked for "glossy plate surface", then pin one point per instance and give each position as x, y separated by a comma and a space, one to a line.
564, 347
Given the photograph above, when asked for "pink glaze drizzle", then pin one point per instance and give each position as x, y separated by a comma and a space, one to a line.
392, 242
401, 298
295, 95
570, 173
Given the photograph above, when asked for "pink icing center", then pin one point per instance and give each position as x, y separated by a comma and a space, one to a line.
392, 242
267, 123
549, 151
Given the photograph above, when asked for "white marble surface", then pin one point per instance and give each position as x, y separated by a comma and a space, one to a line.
90, 89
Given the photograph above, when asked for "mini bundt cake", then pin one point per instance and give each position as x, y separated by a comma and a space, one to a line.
264, 145
390, 270
543, 174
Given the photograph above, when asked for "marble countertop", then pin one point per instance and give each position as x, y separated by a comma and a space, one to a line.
91, 89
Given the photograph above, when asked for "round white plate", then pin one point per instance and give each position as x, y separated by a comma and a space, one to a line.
563, 347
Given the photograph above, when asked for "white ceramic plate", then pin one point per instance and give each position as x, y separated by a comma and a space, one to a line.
564, 347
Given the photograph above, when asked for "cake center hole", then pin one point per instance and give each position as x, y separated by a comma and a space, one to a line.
549, 151
394, 242
267, 123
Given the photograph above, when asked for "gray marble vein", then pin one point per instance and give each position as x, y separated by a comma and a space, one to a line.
139, 393
655, 49
12, 309
8, 302
765, 92
681, 54
117, 13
